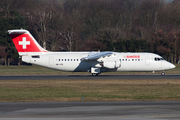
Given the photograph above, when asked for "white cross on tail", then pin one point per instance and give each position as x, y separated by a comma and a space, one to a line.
24, 43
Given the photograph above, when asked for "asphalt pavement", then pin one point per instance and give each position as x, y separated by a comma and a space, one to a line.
87, 77
132, 110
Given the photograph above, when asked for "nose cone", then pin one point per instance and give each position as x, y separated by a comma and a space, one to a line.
171, 66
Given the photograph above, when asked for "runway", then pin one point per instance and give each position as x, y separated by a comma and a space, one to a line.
161, 110
131, 110
85, 77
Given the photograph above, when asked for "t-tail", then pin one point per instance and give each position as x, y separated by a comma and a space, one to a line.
25, 43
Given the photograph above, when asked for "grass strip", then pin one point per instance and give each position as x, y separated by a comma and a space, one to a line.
91, 90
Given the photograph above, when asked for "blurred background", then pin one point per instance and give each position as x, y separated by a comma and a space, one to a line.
92, 25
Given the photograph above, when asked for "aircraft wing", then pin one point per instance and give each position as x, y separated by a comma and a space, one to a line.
95, 56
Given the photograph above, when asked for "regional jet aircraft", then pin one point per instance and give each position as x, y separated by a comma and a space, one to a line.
95, 62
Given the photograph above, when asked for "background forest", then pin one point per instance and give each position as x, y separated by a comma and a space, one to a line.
91, 25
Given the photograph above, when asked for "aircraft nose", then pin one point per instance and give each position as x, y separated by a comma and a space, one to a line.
172, 66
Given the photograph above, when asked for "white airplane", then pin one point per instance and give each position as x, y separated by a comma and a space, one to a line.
95, 62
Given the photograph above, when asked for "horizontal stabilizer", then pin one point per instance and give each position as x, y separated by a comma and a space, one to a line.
20, 31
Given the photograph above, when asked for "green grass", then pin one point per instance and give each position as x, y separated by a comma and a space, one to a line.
91, 90
37, 70
29, 70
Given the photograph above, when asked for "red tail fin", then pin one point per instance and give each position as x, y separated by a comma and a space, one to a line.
25, 42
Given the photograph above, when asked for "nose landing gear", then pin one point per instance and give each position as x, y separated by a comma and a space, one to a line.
95, 74
163, 73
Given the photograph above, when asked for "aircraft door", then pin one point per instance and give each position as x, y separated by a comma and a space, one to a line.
147, 61
51, 61
161, 64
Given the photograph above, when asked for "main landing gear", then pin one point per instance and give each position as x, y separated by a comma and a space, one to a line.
95, 71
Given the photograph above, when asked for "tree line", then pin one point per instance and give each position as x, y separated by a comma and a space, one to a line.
91, 25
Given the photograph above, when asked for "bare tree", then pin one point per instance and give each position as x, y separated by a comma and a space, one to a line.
69, 39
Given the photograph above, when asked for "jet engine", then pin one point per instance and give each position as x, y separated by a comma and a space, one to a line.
111, 64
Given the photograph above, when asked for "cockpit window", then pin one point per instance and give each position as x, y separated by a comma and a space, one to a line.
158, 59
161, 58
